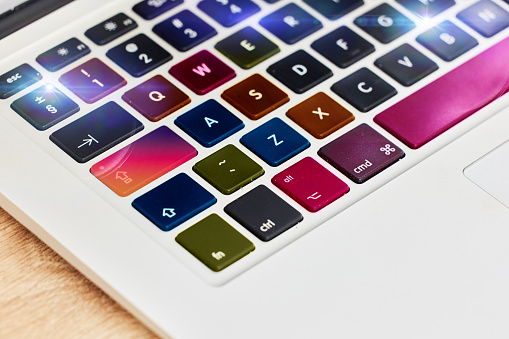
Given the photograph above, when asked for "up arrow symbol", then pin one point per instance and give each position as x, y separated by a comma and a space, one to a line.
169, 212
406, 62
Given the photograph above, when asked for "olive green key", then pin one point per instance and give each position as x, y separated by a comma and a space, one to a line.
215, 243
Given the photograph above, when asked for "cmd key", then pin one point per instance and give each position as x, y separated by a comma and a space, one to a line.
448, 100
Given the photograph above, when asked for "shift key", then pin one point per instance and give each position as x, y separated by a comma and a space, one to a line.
96, 132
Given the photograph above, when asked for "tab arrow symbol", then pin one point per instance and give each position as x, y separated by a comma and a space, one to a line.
88, 141
169, 212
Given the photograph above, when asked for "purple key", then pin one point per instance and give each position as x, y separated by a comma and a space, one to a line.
458, 94
361, 153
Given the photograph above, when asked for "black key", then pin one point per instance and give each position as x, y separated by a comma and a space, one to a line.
447, 41
263, 213
406, 65
96, 132
44, 107
343, 47
111, 29
334, 9
139, 55
149, 9
384, 23
247, 47
291, 23
364, 90
427, 8
229, 12
17, 79
299, 71
63, 54
184, 30
485, 17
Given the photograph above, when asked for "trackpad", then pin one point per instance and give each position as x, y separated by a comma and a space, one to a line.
491, 173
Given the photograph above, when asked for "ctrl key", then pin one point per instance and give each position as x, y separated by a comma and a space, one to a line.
215, 243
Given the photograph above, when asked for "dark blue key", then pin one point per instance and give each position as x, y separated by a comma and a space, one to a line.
447, 41
229, 12
149, 9
343, 47
427, 9
96, 132
485, 17
110, 29
275, 142
139, 55
173, 202
291, 23
184, 30
62, 55
209, 123
17, 79
334, 9
44, 107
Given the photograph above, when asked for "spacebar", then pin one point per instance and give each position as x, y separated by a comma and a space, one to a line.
451, 98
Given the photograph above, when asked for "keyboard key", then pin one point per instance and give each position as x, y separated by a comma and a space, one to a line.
255, 96
364, 90
427, 9
184, 30
275, 142
228, 169
139, 55
263, 213
62, 55
18, 79
110, 29
247, 48
299, 71
149, 9
209, 123
143, 161
174, 202
406, 65
202, 72
447, 41
343, 47
485, 17
384, 23
44, 107
96, 132
291, 23
440, 105
229, 12
361, 153
92, 81
310, 184
156, 98
334, 9
320, 115
215, 243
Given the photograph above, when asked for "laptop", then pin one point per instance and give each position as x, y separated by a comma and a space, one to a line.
265, 168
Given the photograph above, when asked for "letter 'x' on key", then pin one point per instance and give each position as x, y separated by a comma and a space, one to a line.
320, 113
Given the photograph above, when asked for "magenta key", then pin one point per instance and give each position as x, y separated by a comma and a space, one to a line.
458, 94
202, 72
310, 184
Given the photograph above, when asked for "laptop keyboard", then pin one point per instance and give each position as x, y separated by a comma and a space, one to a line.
228, 128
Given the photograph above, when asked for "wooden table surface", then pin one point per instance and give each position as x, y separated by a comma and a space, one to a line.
42, 296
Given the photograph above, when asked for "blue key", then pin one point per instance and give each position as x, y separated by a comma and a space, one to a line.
209, 123
173, 202
229, 12
62, 55
275, 142
184, 30
291, 23
149, 9
485, 17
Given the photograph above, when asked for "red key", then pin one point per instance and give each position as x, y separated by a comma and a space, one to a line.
448, 100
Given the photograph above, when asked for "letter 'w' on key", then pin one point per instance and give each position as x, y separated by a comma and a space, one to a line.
202, 69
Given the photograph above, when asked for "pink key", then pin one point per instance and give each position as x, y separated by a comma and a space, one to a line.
202, 72
310, 184
448, 100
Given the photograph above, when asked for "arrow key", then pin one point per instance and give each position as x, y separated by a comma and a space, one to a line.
173, 202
